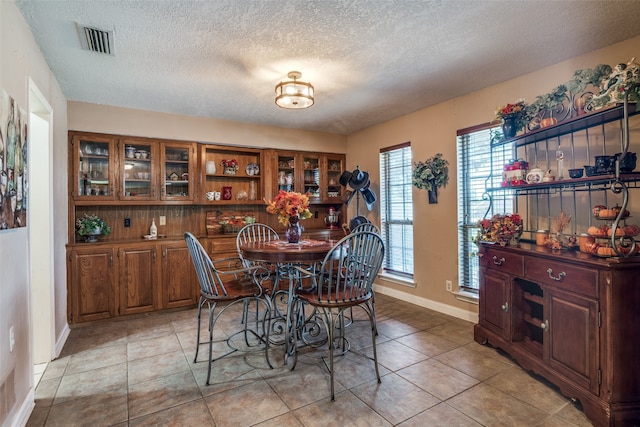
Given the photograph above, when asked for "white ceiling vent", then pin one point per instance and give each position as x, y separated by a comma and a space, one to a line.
96, 40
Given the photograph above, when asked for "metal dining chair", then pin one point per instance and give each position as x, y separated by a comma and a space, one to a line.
366, 226
243, 285
252, 233
344, 280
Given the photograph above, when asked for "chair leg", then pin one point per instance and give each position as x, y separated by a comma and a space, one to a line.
330, 333
374, 332
244, 312
266, 327
212, 308
200, 303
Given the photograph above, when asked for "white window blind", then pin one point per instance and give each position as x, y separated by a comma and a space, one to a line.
476, 160
397, 209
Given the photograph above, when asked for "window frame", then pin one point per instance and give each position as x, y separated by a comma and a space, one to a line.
388, 223
480, 204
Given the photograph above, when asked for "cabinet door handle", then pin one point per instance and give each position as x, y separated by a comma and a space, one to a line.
545, 325
497, 261
505, 306
557, 278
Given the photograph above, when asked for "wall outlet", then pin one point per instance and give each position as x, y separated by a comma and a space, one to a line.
449, 285
12, 339
163, 220
127, 222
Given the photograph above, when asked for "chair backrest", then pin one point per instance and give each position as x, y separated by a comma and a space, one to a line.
252, 233
210, 284
350, 268
366, 226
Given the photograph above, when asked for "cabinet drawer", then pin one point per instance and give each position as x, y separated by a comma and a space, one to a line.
502, 261
564, 276
222, 245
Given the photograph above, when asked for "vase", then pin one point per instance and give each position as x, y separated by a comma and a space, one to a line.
229, 170
509, 127
433, 194
293, 230
210, 167
92, 237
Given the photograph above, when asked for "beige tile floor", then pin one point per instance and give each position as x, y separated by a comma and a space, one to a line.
139, 371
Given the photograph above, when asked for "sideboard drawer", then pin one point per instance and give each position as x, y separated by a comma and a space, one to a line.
506, 262
565, 276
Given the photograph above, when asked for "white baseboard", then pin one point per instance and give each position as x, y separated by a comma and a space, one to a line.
24, 412
62, 340
469, 316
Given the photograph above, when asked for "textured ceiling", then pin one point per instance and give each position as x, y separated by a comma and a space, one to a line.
369, 60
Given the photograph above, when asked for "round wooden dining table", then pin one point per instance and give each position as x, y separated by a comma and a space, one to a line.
286, 257
283, 252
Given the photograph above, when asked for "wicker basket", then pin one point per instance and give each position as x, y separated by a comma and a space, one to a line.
231, 228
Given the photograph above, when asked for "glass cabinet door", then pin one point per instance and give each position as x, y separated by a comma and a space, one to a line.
335, 167
138, 169
177, 175
94, 168
312, 179
286, 172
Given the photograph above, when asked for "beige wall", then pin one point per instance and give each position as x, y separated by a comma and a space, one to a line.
123, 121
20, 59
433, 130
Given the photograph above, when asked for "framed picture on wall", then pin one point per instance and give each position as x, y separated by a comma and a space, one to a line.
13, 164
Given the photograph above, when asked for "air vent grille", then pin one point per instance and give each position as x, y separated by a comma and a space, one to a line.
96, 40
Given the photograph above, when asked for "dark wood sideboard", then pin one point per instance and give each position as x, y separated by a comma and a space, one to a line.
570, 317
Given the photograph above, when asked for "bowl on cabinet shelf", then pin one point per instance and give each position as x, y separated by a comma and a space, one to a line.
576, 173
591, 170
628, 164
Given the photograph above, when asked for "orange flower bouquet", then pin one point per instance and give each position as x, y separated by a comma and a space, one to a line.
289, 204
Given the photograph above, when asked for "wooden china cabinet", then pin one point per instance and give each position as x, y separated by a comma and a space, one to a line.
130, 181
316, 174
107, 168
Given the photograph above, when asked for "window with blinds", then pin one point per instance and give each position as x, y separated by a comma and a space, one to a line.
396, 209
476, 160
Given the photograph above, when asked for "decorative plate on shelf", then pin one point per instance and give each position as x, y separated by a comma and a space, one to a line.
252, 169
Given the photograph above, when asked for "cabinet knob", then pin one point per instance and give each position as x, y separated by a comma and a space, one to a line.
557, 278
544, 325
505, 306
497, 261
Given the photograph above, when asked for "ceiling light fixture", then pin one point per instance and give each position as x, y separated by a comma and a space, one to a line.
294, 94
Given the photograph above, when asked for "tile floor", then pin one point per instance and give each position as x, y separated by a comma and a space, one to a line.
139, 371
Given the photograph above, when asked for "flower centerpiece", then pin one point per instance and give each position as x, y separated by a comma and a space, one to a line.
514, 117
431, 174
290, 207
91, 226
503, 229
230, 166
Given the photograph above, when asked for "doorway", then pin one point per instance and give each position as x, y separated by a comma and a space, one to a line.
40, 226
